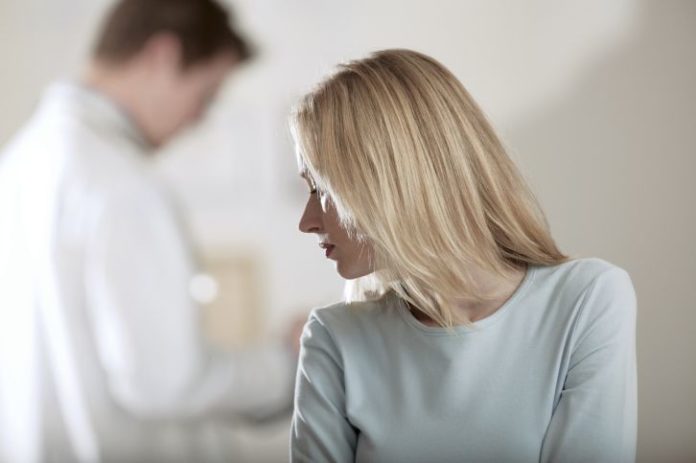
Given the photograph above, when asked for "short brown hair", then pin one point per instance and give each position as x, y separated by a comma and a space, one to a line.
202, 26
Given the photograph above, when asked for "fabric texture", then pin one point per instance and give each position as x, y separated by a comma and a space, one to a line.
549, 377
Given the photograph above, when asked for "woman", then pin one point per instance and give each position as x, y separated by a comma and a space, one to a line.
467, 334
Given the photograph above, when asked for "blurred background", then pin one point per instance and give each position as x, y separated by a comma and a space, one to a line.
595, 99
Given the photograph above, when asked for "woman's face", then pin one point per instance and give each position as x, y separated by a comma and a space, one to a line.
353, 257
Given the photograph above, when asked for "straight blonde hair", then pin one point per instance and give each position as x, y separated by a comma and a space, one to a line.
413, 166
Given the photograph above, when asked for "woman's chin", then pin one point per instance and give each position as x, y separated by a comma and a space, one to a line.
348, 273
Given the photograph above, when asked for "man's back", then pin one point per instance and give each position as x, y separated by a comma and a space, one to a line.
84, 311
101, 353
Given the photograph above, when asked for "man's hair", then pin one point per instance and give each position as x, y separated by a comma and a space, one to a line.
203, 28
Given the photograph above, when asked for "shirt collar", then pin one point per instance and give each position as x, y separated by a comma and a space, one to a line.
99, 110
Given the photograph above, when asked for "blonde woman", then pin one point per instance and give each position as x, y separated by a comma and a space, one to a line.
468, 336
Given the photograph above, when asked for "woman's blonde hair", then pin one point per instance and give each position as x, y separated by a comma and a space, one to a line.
413, 166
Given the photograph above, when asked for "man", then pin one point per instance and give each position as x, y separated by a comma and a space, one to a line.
101, 355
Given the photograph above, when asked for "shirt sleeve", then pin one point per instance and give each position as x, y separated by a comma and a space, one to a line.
321, 431
147, 327
595, 417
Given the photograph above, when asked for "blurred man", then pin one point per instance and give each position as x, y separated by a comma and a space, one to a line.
101, 355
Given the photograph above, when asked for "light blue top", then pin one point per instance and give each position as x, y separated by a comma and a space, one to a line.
550, 377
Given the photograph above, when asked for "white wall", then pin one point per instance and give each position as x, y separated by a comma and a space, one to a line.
595, 99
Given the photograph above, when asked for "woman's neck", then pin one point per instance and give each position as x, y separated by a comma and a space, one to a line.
472, 311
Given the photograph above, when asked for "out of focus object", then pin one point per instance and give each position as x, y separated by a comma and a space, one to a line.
231, 295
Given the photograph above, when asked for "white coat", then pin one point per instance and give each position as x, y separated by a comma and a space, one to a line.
101, 356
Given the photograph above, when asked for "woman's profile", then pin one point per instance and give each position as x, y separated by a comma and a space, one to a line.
466, 334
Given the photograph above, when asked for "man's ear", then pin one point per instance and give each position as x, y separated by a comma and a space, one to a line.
163, 51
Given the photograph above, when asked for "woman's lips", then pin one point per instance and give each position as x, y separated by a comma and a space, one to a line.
328, 248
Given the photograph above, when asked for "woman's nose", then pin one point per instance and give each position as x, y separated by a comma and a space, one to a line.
310, 222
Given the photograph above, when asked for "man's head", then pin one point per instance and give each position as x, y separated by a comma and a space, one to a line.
164, 61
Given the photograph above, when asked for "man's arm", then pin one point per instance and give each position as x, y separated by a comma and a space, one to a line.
148, 328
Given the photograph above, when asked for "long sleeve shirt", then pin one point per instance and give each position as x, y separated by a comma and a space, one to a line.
549, 377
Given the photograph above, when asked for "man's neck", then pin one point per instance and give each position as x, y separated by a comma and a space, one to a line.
120, 85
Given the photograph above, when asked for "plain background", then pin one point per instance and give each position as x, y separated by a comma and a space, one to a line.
596, 100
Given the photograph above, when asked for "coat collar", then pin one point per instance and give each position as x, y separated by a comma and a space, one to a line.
97, 110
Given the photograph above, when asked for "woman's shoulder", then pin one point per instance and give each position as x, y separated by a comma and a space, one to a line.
581, 273
590, 282
349, 313
352, 319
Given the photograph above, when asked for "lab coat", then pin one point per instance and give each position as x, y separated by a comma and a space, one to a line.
101, 354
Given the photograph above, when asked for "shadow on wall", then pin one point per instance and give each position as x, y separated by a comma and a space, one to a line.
613, 164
